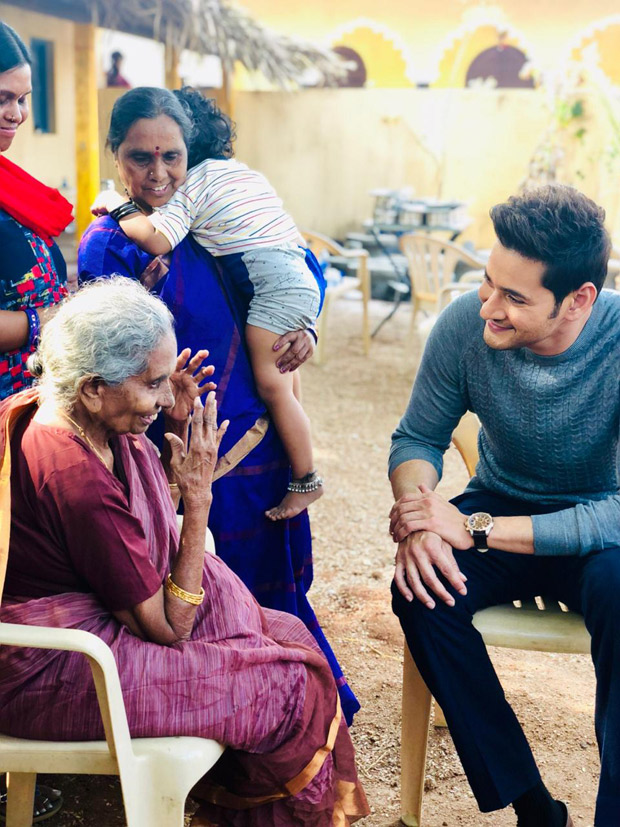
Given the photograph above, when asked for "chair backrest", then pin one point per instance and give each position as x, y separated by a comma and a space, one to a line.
319, 243
431, 262
465, 440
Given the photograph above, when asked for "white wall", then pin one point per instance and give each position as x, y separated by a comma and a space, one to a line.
323, 150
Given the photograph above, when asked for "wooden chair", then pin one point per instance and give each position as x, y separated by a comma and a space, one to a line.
534, 626
431, 263
156, 774
319, 244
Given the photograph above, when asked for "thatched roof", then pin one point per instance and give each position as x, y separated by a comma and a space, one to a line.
209, 27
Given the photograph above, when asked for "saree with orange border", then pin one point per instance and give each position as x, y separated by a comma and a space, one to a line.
251, 678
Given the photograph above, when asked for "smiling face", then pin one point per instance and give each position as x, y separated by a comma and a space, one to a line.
133, 406
15, 87
152, 160
518, 310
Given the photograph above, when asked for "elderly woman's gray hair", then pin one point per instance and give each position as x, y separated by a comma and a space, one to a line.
108, 329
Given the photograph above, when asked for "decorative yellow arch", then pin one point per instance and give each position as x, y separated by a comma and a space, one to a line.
387, 58
457, 58
385, 65
601, 43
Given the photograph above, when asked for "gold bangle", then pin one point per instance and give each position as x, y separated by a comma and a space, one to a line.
188, 597
173, 486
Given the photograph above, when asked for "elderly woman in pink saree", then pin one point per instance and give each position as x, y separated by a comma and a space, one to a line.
94, 545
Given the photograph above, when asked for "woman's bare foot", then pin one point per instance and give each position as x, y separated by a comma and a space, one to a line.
301, 493
293, 504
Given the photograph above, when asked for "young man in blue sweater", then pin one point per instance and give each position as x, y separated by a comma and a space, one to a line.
535, 353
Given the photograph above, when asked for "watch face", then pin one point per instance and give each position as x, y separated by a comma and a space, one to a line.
480, 521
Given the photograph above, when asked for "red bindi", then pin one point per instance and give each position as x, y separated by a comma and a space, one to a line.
156, 150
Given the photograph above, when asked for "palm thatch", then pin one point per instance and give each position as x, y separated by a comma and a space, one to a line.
209, 27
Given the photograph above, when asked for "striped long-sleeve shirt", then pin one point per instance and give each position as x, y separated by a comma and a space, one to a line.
228, 207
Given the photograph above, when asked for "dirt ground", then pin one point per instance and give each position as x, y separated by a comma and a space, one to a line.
354, 403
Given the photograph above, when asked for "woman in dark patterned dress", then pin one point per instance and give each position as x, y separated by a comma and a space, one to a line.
32, 270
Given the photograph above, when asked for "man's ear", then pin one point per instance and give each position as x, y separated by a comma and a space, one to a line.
581, 300
90, 392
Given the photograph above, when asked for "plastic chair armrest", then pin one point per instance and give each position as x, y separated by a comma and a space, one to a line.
46, 637
352, 252
103, 667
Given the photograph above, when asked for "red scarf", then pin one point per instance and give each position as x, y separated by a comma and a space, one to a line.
40, 208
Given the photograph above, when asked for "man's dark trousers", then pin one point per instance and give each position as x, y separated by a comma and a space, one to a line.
453, 660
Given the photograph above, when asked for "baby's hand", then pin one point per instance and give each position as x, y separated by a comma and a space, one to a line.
106, 201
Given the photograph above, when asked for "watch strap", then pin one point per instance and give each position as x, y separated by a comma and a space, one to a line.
481, 540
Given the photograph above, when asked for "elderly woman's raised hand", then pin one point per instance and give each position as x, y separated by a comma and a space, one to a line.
189, 381
193, 469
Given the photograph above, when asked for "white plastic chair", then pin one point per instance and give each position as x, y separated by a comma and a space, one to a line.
156, 774
532, 625
431, 263
318, 244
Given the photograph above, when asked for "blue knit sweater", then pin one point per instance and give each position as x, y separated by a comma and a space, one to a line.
550, 424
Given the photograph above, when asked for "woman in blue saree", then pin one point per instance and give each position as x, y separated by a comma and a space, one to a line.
149, 135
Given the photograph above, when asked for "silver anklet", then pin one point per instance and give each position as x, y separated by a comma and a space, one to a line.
306, 484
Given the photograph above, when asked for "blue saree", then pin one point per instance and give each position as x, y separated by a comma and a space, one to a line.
274, 559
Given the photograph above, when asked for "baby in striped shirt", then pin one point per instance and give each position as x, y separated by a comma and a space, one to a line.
234, 213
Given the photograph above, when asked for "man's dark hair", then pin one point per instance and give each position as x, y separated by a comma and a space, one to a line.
13, 51
563, 229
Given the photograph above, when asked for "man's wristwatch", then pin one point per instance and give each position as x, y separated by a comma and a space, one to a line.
479, 526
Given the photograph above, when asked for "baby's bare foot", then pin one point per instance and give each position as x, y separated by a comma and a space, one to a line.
301, 493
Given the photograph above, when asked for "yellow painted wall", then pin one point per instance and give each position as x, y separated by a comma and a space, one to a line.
106, 100
425, 31
603, 47
51, 157
455, 61
386, 65
323, 150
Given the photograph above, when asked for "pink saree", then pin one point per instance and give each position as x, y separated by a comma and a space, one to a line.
250, 678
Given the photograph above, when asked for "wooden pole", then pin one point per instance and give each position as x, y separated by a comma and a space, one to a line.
86, 125
227, 92
223, 96
172, 57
